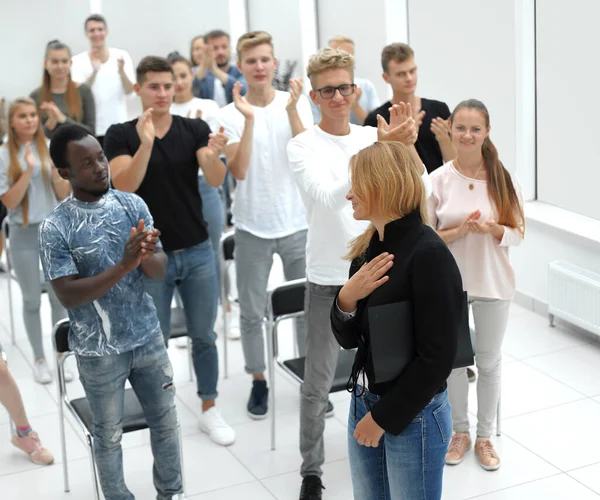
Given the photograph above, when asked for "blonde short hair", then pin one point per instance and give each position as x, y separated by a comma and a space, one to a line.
328, 58
252, 39
337, 39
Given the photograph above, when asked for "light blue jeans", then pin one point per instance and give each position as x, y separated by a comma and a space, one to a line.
405, 467
149, 371
194, 273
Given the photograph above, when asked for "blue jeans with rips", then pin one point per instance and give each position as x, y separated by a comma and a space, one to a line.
149, 371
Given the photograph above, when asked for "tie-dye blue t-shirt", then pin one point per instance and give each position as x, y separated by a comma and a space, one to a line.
85, 239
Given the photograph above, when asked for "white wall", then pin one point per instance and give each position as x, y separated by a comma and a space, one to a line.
282, 20
568, 107
466, 49
26, 26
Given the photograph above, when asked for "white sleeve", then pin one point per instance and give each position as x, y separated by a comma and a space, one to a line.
78, 70
426, 182
432, 204
371, 101
305, 112
212, 110
304, 163
228, 121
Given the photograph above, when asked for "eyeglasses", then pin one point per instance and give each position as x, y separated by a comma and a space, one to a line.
345, 90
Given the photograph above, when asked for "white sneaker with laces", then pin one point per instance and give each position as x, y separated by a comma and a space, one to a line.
211, 422
41, 372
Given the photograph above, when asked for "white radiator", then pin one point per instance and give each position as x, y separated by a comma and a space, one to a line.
574, 295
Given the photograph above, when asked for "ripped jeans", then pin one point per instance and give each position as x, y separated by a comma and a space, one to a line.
151, 376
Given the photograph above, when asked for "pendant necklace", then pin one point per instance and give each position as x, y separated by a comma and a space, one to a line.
471, 185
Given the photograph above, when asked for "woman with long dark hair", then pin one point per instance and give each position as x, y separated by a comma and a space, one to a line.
60, 99
476, 208
30, 187
404, 283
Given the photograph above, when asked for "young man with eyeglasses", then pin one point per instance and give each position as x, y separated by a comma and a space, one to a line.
319, 159
400, 71
268, 212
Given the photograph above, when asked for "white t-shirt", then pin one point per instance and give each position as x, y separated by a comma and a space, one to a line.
111, 103
267, 203
319, 162
219, 94
209, 109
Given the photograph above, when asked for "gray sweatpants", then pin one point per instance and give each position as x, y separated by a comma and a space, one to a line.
25, 259
322, 350
253, 262
491, 318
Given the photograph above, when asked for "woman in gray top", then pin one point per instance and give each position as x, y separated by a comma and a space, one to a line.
30, 187
59, 99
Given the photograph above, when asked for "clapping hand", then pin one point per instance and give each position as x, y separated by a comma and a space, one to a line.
402, 126
481, 227
357, 95
29, 158
295, 93
441, 129
145, 128
54, 114
217, 142
240, 102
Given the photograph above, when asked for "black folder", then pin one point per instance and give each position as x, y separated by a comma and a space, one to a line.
391, 330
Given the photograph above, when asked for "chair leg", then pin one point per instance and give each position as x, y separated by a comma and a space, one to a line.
271, 360
90, 443
190, 359
181, 453
224, 295
63, 444
499, 419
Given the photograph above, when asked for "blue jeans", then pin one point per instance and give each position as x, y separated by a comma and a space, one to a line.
212, 210
151, 376
405, 467
194, 273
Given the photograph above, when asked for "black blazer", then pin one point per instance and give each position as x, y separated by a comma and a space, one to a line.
425, 273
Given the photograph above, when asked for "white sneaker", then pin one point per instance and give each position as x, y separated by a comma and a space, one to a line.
41, 372
181, 343
179, 496
218, 431
68, 374
234, 333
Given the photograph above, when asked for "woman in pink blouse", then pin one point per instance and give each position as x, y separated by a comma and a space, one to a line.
476, 208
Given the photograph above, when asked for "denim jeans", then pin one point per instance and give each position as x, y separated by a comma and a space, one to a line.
193, 271
151, 376
212, 210
405, 467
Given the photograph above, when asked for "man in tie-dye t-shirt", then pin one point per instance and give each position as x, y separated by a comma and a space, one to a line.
96, 246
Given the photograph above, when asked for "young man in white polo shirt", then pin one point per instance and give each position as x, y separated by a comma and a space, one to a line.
109, 72
319, 159
268, 212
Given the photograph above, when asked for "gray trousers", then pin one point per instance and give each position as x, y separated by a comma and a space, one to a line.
491, 318
253, 262
322, 350
25, 259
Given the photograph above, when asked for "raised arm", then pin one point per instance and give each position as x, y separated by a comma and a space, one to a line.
13, 196
238, 154
209, 159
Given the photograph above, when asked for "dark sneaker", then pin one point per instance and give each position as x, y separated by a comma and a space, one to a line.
312, 488
259, 400
471, 375
330, 412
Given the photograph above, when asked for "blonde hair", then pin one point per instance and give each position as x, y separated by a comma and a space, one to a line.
386, 180
340, 39
253, 39
14, 167
328, 58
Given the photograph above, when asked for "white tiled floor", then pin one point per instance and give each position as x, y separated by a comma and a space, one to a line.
549, 448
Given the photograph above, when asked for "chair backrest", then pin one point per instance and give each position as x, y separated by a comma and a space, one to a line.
287, 298
227, 245
61, 336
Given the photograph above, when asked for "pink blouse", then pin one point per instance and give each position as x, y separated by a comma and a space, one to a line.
482, 259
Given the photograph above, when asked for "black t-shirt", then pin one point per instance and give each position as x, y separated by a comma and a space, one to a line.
170, 187
427, 145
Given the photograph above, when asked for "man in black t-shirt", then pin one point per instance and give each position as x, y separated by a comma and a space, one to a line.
400, 71
157, 156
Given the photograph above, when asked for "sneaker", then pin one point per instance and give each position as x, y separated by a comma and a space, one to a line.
488, 458
461, 442
330, 412
234, 333
211, 422
471, 375
41, 372
181, 342
179, 496
312, 488
32, 446
258, 403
